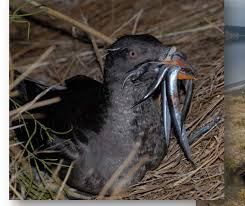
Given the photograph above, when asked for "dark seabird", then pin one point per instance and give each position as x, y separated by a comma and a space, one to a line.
97, 125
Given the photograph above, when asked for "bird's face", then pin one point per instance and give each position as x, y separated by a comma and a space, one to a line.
131, 52
139, 53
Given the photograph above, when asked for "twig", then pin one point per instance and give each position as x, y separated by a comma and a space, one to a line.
67, 71
16, 192
64, 182
126, 23
197, 29
58, 59
35, 45
16, 127
209, 161
98, 56
168, 197
199, 119
137, 20
29, 106
117, 173
96, 50
215, 26
32, 67
14, 93
131, 172
72, 21
32, 105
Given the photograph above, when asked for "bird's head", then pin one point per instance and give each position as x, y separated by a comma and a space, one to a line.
132, 52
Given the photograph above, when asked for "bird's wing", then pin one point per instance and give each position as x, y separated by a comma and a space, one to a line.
81, 108
81, 101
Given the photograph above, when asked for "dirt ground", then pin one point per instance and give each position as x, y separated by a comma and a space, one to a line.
193, 26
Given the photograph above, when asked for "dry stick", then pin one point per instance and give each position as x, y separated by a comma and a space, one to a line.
14, 93
201, 28
125, 23
96, 50
58, 60
137, 21
209, 161
48, 186
67, 71
31, 117
30, 105
147, 191
199, 119
25, 50
36, 45
54, 177
76, 195
32, 67
98, 56
16, 192
167, 197
191, 18
56, 172
117, 173
131, 172
215, 26
211, 188
72, 21
209, 177
13, 128
64, 182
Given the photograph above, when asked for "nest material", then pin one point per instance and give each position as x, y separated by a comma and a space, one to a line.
194, 27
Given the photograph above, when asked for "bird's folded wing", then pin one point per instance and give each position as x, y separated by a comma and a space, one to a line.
81, 106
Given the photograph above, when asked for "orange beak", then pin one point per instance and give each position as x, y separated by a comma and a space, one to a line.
185, 76
182, 75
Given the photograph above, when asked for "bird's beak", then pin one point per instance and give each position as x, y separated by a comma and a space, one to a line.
175, 58
185, 75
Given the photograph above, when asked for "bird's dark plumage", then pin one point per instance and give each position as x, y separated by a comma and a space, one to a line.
99, 128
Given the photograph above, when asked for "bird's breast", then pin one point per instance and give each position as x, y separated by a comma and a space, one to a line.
127, 125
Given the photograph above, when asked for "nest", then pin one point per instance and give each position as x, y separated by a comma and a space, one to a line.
194, 27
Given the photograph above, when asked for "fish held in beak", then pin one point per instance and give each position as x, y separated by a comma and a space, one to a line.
183, 74
175, 111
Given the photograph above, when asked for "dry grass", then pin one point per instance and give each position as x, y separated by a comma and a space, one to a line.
195, 27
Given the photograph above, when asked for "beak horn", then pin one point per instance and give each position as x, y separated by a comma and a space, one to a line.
184, 75
175, 58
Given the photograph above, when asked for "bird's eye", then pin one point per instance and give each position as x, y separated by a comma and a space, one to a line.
132, 54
